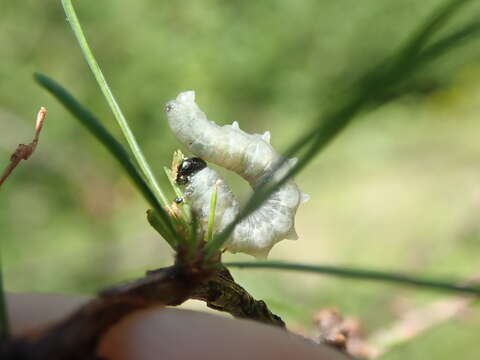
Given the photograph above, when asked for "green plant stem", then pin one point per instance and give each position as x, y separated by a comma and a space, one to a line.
211, 216
360, 274
117, 112
156, 222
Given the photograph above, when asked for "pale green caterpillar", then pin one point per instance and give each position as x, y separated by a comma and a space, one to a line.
250, 156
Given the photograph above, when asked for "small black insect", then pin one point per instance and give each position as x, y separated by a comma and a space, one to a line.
189, 167
178, 200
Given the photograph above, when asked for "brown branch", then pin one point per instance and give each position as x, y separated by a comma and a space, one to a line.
23, 152
77, 337
222, 293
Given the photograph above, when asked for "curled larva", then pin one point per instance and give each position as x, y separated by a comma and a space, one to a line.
249, 155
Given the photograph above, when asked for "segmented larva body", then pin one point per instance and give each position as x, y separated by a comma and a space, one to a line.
250, 156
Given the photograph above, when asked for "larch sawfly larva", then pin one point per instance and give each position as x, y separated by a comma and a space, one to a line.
249, 155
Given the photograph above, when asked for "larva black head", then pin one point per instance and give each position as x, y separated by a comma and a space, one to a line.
189, 167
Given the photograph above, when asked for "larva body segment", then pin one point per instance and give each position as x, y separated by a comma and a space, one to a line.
199, 190
249, 155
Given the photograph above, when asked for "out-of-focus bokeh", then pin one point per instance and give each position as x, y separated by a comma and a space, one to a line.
399, 190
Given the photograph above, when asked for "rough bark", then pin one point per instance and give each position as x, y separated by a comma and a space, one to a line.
78, 336
222, 293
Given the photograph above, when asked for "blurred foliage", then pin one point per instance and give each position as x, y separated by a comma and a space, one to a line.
399, 190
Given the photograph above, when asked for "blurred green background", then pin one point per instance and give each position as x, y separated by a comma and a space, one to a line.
399, 190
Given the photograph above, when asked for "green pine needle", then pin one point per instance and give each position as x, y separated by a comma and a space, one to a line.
156, 222
361, 274
113, 146
117, 112
211, 217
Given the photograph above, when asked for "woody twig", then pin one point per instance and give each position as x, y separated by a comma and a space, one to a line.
23, 152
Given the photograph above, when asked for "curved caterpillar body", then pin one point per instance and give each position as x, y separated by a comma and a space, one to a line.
249, 155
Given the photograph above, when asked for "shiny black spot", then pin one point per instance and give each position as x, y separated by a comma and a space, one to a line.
188, 168
178, 200
169, 107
